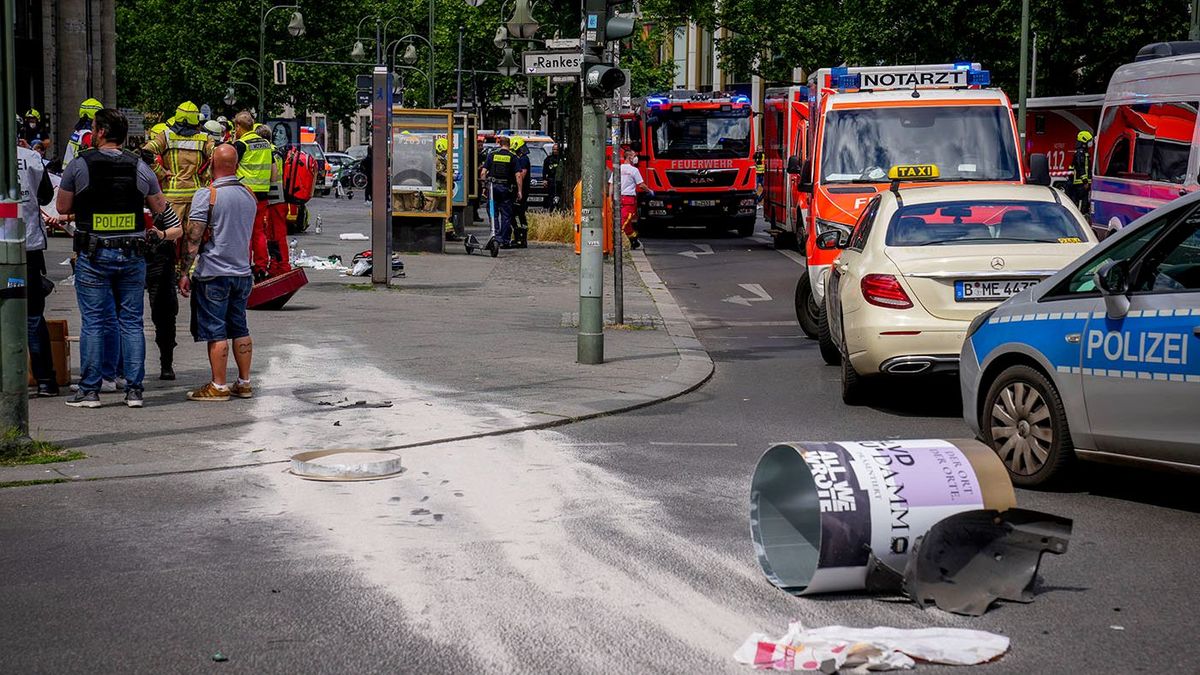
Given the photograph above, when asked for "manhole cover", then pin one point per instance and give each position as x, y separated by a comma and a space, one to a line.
346, 465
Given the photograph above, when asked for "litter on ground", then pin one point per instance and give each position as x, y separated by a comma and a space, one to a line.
353, 236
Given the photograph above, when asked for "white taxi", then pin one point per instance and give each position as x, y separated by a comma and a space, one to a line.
921, 263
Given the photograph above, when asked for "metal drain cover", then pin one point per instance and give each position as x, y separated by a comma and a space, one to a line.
346, 465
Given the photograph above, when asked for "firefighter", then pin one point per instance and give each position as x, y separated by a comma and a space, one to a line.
1081, 177
81, 137
760, 171
183, 151
442, 145
255, 163
552, 171
32, 131
520, 205
500, 171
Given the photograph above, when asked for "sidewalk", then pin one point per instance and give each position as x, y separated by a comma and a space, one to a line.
348, 365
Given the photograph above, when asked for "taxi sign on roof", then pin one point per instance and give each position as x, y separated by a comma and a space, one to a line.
913, 172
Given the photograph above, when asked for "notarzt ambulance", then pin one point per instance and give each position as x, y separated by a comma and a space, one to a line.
866, 120
1101, 360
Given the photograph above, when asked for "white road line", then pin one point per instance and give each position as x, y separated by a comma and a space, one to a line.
794, 256
708, 325
696, 445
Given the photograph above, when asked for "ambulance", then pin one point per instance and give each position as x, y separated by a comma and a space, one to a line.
785, 122
865, 120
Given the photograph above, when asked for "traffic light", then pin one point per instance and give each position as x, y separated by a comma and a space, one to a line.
600, 26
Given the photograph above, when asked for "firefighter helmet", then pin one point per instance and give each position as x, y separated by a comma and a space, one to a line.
32, 112
89, 107
188, 112
442, 145
1084, 137
516, 143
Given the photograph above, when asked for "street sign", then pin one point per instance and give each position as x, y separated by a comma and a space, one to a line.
563, 43
563, 79
205, 111
280, 72
364, 98
552, 63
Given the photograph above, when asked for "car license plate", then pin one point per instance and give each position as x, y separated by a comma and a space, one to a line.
990, 289
703, 202
535, 198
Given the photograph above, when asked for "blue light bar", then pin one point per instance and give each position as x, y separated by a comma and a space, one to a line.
740, 99
839, 70
962, 65
979, 78
843, 81
656, 100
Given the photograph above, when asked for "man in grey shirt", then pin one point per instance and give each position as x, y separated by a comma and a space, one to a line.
218, 233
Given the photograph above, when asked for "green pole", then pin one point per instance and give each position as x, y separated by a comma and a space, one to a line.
14, 339
1194, 33
591, 250
1024, 71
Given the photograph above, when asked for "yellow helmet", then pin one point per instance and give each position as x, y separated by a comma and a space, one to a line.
89, 107
516, 143
1084, 137
442, 145
32, 112
188, 112
158, 128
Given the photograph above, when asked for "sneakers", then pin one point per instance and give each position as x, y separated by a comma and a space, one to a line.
209, 392
167, 373
84, 399
241, 390
47, 389
133, 398
634, 244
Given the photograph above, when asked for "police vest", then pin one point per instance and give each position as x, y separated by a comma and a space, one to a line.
504, 168
111, 204
254, 169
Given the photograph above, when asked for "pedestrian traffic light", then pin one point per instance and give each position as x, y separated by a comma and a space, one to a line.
600, 26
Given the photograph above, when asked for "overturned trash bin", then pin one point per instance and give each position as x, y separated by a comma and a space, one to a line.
818, 511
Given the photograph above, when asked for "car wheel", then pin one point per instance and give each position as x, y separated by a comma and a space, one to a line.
745, 226
1024, 422
786, 241
853, 388
829, 350
807, 309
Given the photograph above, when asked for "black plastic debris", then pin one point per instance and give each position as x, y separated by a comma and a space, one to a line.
969, 560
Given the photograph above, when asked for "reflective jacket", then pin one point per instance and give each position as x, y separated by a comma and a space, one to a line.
80, 140
184, 154
111, 204
254, 169
1079, 165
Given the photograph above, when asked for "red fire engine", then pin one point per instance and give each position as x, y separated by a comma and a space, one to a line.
696, 151
1052, 125
785, 138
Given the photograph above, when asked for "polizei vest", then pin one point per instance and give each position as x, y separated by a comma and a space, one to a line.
111, 204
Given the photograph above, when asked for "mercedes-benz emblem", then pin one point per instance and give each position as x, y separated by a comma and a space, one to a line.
997, 263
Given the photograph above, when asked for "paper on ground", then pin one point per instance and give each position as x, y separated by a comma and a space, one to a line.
869, 648
353, 236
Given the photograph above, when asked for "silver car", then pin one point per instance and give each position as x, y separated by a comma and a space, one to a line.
1101, 360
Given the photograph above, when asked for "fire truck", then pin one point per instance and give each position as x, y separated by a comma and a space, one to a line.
864, 120
1052, 124
785, 120
696, 151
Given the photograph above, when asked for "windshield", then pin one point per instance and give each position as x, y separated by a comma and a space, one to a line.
701, 135
314, 150
984, 222
965, 142
537, 156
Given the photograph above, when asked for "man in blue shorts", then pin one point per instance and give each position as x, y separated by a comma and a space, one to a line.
218, 232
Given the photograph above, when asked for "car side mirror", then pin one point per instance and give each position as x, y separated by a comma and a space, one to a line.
832, 240
794, 166
1112, 278
1039, 169
806, 176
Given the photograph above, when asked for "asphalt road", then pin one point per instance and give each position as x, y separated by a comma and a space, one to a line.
615, 545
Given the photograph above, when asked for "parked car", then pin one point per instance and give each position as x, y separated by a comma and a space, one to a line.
922, 263
324, 169
1101, 360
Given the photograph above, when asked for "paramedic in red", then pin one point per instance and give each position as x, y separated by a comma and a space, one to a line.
631, 184
256, 160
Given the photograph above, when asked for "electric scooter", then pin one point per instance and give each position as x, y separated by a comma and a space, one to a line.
492, 246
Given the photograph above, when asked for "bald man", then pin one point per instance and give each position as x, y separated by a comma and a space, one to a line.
218, 234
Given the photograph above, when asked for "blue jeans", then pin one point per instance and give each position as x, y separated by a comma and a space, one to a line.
110, 288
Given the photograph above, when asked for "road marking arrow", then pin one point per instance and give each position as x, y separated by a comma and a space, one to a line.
705, 249
756, 289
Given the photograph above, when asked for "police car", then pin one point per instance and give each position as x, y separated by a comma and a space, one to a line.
1101, 360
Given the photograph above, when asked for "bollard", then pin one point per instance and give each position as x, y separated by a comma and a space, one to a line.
819, 510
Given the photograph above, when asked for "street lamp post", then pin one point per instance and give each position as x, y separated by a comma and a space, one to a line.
1022, 87
295, 29
410, 57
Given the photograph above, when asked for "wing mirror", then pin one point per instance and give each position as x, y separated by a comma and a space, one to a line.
832, 240
794, 165
1112, 278
1039, 169
806, 176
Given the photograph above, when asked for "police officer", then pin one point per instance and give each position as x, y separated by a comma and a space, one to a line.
1081, 177
552, 170
500, 171
183, 150
104, 192
81, 136
256, 159
36, 190
521, 204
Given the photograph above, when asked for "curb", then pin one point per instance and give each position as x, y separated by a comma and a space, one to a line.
695, 368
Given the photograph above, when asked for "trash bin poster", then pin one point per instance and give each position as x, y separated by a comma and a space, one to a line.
886, 493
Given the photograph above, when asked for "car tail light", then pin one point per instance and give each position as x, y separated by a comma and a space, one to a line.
884, 290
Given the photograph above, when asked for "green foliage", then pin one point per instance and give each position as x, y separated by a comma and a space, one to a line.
1080, 42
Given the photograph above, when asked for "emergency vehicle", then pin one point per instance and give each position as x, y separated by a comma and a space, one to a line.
785, 121
866, 120
696, 151
1052, 125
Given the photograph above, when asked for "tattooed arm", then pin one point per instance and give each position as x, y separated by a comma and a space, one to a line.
193, 235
